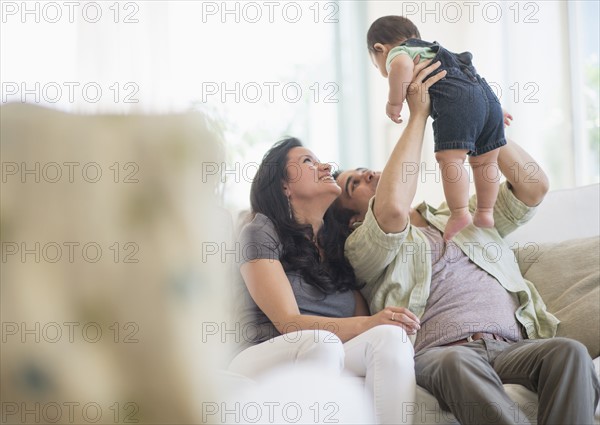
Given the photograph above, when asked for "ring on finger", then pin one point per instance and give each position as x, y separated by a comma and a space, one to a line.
393, 314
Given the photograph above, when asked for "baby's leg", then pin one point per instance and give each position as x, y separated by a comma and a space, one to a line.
486, 175
456, 188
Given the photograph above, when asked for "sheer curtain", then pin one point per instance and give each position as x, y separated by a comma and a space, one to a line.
269, 69
263, 69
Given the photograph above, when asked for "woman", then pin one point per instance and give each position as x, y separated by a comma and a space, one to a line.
305, 298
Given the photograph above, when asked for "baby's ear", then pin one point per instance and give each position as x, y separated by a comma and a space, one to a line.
379, 48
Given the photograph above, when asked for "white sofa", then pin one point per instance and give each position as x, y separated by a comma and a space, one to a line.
563, 216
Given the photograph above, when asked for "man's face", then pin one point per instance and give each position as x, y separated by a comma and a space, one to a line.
358, 187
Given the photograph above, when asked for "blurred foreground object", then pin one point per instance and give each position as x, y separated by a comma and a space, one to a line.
105, 285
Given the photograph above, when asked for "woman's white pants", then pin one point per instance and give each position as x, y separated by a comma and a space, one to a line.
383, 355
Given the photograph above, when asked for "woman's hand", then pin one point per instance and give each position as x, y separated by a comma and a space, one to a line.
417, 94
398, 316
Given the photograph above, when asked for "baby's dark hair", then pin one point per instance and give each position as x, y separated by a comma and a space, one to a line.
391, 30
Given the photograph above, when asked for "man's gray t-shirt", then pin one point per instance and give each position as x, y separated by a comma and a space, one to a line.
259, 240
464, 299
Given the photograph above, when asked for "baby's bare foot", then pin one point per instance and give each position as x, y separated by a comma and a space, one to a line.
484, 217
457, 221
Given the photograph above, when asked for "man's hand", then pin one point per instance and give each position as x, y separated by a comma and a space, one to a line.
393, 112
417, 95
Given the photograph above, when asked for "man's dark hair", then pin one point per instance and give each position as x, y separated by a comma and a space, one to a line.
391, 30
341, 214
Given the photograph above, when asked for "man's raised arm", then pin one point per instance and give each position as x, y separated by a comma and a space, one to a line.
398, 182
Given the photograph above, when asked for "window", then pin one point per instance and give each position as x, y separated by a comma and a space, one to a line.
266, 69
585, 83
540, 57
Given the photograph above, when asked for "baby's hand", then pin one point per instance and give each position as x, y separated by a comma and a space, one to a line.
393, 112
507, 118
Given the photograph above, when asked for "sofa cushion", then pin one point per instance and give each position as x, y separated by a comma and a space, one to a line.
567, 275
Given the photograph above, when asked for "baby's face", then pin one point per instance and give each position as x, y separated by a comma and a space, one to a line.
379, 59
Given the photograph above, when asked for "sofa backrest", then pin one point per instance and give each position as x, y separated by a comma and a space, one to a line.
563, 215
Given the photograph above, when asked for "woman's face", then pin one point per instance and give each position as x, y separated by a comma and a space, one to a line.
308, 179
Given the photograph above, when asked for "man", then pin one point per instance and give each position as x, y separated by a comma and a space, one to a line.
481, 324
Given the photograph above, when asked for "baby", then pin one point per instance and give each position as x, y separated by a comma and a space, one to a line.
467, 116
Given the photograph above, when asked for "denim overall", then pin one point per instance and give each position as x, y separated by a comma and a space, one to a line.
466, 113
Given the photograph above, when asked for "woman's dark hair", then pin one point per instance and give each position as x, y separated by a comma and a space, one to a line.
300, 255
391, 30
